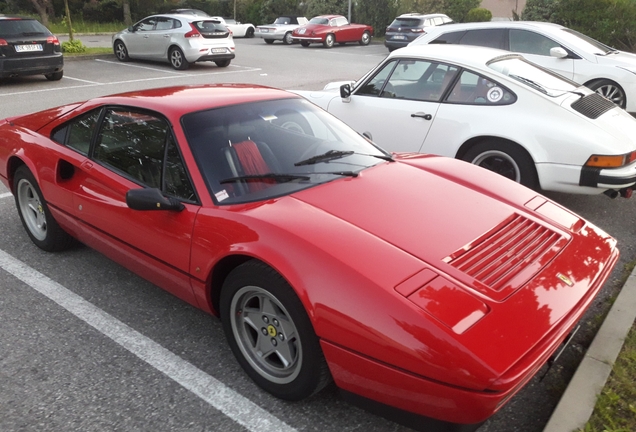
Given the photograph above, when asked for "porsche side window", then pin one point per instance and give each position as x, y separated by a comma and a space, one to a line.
528, 42
78, 133
133, 143
374, 86
473, 89
419, 80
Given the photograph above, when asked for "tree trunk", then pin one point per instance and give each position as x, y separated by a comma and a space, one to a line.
68, 21
127, 16
45, 9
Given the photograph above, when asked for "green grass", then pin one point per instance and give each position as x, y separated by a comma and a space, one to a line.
79, 26
615, 409
90, 51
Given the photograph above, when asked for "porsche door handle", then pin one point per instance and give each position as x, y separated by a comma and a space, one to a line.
422, 115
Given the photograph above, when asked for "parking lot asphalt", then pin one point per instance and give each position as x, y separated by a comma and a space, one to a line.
86, 81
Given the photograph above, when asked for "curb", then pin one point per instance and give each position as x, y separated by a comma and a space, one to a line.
577, 403
68, 58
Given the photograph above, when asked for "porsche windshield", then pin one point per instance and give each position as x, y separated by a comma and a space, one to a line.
262, 150
532, 76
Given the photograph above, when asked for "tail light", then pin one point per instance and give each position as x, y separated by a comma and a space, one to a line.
418, 30
3, 42
192, 33
50, 40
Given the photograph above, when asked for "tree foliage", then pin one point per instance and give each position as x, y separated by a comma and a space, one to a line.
458, 10
478, 15
377, 13
539, 10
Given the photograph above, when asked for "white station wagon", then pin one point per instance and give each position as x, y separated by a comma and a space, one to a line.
495, 109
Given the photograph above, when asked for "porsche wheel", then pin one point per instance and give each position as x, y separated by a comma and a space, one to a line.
506, 159
610, 90
177, 59
270, 333
366, 38
35, 215
269, 41
329, 41
304, 44
249, 33
287, 39
121, 52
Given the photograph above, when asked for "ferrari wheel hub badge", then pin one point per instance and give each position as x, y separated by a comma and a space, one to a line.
271, 330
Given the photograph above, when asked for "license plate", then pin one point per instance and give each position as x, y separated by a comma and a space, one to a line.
264, 30
399, 37
26, 48
218, 50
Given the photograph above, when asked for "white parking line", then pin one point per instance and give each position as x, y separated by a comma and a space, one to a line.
6, 195
139, 67
78, 79
215, 393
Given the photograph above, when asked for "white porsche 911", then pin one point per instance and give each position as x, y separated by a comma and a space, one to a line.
494, 109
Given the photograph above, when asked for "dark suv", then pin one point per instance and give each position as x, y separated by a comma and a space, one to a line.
407, 28
29, 48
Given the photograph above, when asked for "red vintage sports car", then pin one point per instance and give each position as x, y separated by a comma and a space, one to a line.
330, 29
424, 285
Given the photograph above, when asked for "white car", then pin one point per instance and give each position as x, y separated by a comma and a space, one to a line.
281, 29
238, 29
576, 56
495, 109
179, 38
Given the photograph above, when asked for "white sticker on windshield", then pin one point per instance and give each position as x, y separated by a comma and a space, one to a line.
494, 94
220, 196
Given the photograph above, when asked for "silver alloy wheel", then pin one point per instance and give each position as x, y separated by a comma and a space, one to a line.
366, 38
612, 92
499, 162
120, 51
266, 334
287, 39
329, 40
176, 58
32, 209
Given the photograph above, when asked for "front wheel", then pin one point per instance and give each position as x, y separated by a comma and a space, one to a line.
177, 59
270, 333
222, 63
269, 41
249, 33
610, 90
121, 52
366, 38
304, 44
506, 159
287, 39
35, 214
329, 41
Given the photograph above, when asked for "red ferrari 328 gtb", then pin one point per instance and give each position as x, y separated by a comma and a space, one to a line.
422, 284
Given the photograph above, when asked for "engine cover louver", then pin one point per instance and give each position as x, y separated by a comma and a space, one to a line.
593, 106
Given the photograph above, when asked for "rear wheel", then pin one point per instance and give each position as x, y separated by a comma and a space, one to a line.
54, 76
287, 39
121, 52
506, 159
366, 38
270, 333
222, 63
329, 41
610, 90
177, 59
249, 33
305, 44
35, 215
269, 41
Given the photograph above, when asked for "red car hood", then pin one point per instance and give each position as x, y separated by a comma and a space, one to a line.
509, 284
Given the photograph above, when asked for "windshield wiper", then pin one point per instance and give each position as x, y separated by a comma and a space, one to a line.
530, 82
278, 178
340, 173
338, 154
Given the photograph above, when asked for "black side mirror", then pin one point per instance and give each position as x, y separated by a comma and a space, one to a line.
151, 199
345, 91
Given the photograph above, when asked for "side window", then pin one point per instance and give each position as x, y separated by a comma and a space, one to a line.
146, 25
133, 143
473, 89
342, 21
333, 22
449, 38
164, 24
78, 133
177, 181
528, 42
375, 84
493, 38
419, 80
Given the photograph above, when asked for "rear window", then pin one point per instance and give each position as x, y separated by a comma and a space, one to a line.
318, 20
209, 26
406, 22
21, 27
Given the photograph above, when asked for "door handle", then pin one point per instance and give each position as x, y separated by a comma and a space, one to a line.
422, 115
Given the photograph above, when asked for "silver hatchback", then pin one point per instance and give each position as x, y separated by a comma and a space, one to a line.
180, 39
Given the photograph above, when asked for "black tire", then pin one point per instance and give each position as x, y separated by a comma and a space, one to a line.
610, 90
342, 43
120, 50
287, 39
304, 44
54, 76
177, 59
222, 63
270, 333
249, 33
330, 39
366, 38
504, 158
269, 41
35, 215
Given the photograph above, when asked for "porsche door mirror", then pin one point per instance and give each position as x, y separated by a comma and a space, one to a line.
558, 52
345, 92
151, 199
